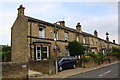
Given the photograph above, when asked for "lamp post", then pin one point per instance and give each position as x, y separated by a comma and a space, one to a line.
56, 46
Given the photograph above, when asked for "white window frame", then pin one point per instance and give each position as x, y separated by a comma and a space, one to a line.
77, 38
66, 36
84, 40
47, 50
37, 52
56, 33
42, 33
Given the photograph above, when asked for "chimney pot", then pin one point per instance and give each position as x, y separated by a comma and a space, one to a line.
113, 41
107, 38
21, 10
96, 33
21, 6
107, 33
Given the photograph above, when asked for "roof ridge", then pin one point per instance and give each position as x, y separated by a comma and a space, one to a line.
59, 26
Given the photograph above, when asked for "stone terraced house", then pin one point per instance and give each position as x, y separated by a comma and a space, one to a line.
34, 39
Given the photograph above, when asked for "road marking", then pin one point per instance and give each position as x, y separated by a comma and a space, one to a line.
105, 73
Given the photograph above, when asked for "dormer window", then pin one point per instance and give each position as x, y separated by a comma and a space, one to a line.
41, 32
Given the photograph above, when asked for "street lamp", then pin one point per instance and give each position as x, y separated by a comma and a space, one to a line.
56, 46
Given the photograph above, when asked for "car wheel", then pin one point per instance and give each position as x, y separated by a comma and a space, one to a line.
74, 66
60, 68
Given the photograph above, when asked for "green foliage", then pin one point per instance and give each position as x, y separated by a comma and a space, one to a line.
75, 48
6, 54
100, 55
114, 49
116, 52
94, 57
86, 58
6, 48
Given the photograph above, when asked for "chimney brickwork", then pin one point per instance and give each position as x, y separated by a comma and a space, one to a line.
78, 27
21, 10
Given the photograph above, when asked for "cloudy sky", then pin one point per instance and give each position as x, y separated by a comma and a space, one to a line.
100, 16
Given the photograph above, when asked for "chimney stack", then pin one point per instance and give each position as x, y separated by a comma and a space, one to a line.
107, 38
62, 23
21, 10
78, 27
96, 33
114, 41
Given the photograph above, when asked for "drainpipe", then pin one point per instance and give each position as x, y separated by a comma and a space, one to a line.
30, 40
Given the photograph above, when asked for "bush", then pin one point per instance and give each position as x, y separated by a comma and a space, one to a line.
93, 56
101, 57
75, 48
116, 54
86, 58
114, 49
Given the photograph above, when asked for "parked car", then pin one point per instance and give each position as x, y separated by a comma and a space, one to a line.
66, 62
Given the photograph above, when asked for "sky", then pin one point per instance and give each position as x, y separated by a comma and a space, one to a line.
100, 16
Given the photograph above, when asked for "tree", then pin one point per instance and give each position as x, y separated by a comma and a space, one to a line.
116, 52
6, 48
75, 48
6, 54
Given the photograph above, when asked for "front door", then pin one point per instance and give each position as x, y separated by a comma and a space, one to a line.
38, 52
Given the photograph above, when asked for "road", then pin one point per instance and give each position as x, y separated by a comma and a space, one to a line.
106, 72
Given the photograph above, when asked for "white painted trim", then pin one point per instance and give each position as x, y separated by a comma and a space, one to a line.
36, 52
47, 50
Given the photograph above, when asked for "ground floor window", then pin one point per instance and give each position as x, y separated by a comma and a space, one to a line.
42, 52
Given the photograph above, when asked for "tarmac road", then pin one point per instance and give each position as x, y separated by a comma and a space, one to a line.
110, 71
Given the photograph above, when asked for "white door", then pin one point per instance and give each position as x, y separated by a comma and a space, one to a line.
38, 52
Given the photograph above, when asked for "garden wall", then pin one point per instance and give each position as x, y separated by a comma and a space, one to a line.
91, 63
14, 71
44, 66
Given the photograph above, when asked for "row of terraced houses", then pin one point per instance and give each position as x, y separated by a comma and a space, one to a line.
34, 39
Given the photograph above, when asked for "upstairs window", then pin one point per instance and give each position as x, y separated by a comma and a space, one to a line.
77, 38
84, 40
56, 35
66, 36
92, 41
41, 32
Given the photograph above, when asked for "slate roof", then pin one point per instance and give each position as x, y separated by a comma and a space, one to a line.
62, 27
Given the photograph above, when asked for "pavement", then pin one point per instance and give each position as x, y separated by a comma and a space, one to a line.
69, 72
110, 71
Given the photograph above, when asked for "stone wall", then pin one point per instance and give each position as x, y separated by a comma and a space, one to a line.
19, 44
14, 71
43, 66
